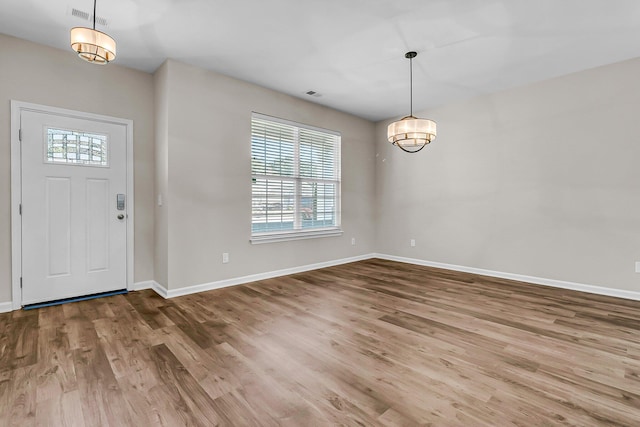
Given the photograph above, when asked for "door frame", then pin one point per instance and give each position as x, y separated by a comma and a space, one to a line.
17, 107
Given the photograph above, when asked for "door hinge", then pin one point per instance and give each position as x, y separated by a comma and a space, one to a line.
20, 135
20, 208
21, 283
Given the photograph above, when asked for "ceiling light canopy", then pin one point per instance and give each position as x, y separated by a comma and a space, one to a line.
410, 133
92, 45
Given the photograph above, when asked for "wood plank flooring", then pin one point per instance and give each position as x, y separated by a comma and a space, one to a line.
364, 344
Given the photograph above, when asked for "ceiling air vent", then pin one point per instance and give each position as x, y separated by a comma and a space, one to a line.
89, 17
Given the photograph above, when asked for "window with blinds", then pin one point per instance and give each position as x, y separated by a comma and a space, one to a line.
295, 185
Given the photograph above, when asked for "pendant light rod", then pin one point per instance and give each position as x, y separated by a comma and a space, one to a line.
410, 56
94, 13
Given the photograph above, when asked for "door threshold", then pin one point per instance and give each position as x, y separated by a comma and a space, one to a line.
74, 299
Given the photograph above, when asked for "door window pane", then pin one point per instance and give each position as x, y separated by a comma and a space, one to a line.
76, 148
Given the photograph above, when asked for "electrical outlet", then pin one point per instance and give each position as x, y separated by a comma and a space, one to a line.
412, 243
353, 241
637, 266
225, 257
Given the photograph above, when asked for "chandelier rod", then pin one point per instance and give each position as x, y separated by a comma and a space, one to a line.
410, 84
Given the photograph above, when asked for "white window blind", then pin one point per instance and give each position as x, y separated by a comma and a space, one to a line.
295, 172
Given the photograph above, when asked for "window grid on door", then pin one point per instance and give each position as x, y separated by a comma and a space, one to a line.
76, 148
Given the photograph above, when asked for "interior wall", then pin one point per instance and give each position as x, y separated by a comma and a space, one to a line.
209, 179
540, 180
38, 74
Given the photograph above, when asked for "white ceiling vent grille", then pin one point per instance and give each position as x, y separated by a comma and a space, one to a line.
89, 17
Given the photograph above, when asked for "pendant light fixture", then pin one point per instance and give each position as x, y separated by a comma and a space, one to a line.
92, 45
410, 133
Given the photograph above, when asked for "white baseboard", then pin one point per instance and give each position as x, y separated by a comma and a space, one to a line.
599, 290
150, 284
160, 290
140, 286
171, 293
6, 307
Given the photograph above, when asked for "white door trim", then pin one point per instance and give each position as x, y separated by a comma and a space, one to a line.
17, 107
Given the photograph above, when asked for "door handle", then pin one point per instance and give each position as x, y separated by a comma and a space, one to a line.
121, 217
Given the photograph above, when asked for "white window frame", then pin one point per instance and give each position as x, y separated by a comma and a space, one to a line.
298, 233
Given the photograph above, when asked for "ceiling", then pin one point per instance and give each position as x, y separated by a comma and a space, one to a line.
352, 51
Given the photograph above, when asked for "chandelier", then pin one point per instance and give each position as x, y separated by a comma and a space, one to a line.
92, 45
410, 133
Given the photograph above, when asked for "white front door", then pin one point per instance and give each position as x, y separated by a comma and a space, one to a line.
74, 206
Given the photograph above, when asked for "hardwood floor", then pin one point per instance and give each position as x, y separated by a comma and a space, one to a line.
368, 343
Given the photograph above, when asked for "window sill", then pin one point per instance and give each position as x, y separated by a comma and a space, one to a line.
294, 235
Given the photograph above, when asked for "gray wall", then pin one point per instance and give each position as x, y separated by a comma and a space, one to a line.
208, 199
541, 180
34, 73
